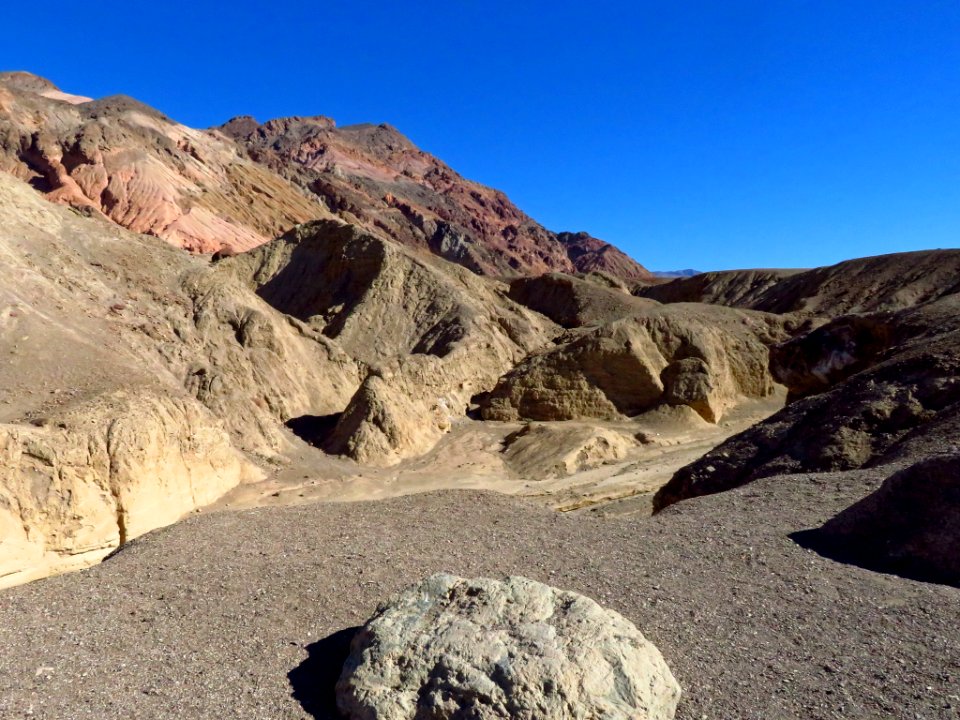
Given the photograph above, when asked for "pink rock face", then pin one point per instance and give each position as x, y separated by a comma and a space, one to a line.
245, 183
122, 160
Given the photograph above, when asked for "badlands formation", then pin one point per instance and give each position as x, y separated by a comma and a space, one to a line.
272, 374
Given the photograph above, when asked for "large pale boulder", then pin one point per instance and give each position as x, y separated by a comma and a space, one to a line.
484, 649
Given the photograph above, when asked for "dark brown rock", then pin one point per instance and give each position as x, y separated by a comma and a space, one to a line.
891, 405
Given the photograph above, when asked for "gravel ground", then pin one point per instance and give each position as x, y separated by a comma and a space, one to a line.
246, 615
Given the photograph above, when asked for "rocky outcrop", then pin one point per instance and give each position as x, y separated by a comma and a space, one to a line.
254, 366
518, 649
99, 475
870, 390
573, 302
684, 355
820, 359
110, 340
432, 333
910, 526
399, 413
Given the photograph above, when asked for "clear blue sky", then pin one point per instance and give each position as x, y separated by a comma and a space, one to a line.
709, 134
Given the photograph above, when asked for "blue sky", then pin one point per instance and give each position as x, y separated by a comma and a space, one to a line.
692, 134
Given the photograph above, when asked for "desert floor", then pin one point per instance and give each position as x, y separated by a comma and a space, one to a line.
470, 457
246, 614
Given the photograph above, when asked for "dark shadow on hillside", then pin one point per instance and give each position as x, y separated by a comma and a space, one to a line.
314, 681
314, 429
474, 409
869, 557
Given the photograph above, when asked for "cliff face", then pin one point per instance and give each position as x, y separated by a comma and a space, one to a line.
105, 473
240, 185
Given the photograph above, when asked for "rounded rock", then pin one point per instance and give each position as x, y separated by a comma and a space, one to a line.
482, 649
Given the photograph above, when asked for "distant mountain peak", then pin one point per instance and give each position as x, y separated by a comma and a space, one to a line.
688, 272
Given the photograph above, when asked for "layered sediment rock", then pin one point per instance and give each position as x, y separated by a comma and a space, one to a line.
241, 185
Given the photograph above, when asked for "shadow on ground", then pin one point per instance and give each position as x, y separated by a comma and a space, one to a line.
314, 429
314, 680
873, 556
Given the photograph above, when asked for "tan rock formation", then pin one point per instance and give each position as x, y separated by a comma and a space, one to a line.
733, 288
680, 354
545, 451
434, 333
100, 474
573, 302
254, 366
109, 339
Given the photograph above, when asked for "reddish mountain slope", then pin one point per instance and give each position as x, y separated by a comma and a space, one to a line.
374, 176
244, 183
122, 159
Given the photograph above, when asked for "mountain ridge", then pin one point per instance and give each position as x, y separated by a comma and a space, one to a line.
238, 185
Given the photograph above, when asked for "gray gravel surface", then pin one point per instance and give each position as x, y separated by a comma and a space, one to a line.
246, 615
